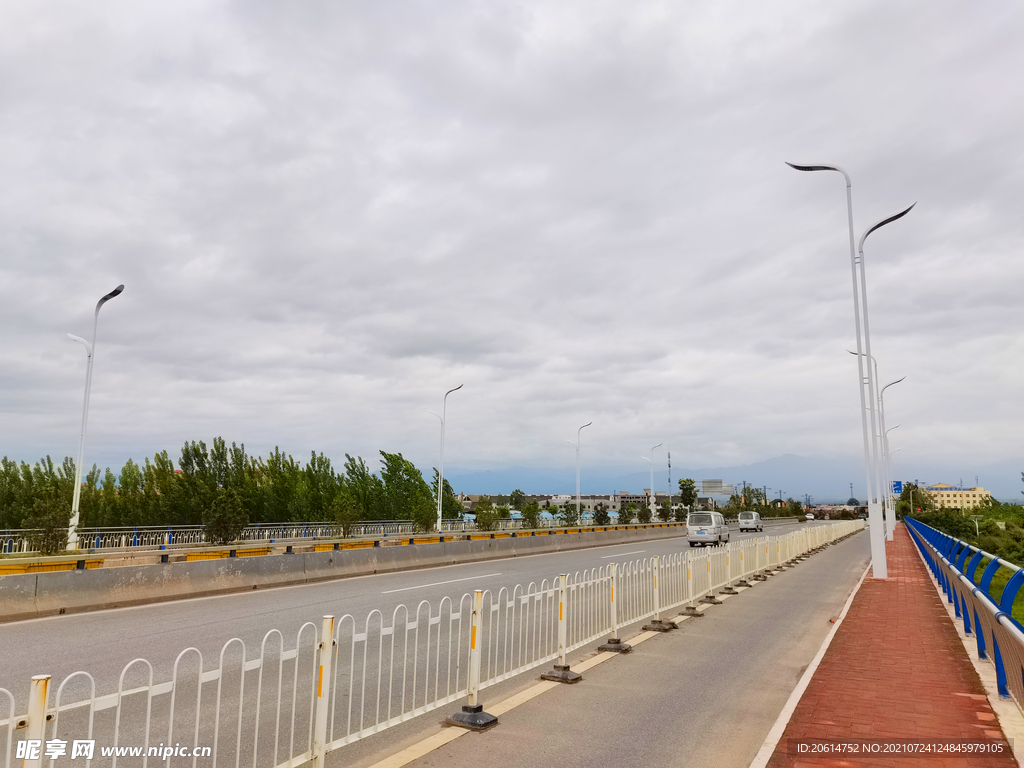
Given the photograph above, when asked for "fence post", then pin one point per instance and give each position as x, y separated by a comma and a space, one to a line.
614, 644
657, 625
472, 715
322, 698
561, 673
36, 730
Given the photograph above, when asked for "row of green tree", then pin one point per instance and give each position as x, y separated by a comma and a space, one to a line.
274, 489
998, 529
754, 499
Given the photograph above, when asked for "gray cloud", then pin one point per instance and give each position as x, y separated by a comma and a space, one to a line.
327, 215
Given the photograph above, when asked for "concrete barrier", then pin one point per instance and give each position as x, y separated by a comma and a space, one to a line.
49, 594
18, 597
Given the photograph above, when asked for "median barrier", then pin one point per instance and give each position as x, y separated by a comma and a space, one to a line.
18, 597
48, 594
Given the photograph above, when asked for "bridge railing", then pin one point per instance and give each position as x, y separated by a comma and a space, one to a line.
291, 701
999, 638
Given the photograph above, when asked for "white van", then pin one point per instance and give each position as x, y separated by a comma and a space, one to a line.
750, 521
706, 528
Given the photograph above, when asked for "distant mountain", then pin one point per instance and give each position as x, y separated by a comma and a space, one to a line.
826, 479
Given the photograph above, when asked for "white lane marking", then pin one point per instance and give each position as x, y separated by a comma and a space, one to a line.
623, 554
439, 583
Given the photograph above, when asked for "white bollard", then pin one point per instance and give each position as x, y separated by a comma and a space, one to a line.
561, 673
614, 644
35, 734
323, 687
472, 715
657, 625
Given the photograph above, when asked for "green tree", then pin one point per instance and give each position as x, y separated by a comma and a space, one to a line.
794, 507
486, 517
627, 514
568, 515
644, 515
852, 502
226, 518
517, 499
364, 489
665, 510
51, 510
319, 486
406, 493
922, 501
601, 516
531, 514
688, 492
451, 507
345, 513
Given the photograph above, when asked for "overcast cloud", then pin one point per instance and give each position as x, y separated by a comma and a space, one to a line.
327, 214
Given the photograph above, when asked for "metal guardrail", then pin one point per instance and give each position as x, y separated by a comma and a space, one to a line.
19, 541
998, 635
294, 702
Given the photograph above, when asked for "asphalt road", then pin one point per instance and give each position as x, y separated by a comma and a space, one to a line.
704, 695
103, 642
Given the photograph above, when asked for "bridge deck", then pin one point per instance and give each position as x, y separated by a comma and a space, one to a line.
896, 669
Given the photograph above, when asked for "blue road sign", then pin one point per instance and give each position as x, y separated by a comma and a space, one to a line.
897, 487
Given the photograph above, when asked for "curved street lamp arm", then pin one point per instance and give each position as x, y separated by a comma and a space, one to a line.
890, 384
83, 342
820, 168
882, 223
116, 292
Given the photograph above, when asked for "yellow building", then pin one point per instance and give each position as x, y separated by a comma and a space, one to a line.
957, 497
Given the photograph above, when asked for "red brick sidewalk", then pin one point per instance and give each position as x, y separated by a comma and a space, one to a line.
896, 669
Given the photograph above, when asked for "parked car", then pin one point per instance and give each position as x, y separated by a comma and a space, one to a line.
750, 521
808, 516
706, 528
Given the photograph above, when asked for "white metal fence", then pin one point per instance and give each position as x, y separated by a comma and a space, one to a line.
291, 702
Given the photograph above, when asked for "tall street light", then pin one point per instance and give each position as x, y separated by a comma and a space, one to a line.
879, 567
877, 535
876, 468
577, 444
882, 469
872, 383
891, 514
90, 351
650, 503
440, 469
885, 447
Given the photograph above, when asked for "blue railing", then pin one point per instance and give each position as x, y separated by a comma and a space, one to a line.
999, 636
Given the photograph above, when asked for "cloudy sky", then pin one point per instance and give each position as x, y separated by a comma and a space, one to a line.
327, 214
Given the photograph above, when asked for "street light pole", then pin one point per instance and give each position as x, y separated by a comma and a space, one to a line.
440, 470
881, 469
891, 517
877, 535
651, 461
577, 444
872, 383
889, 476
90, 351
